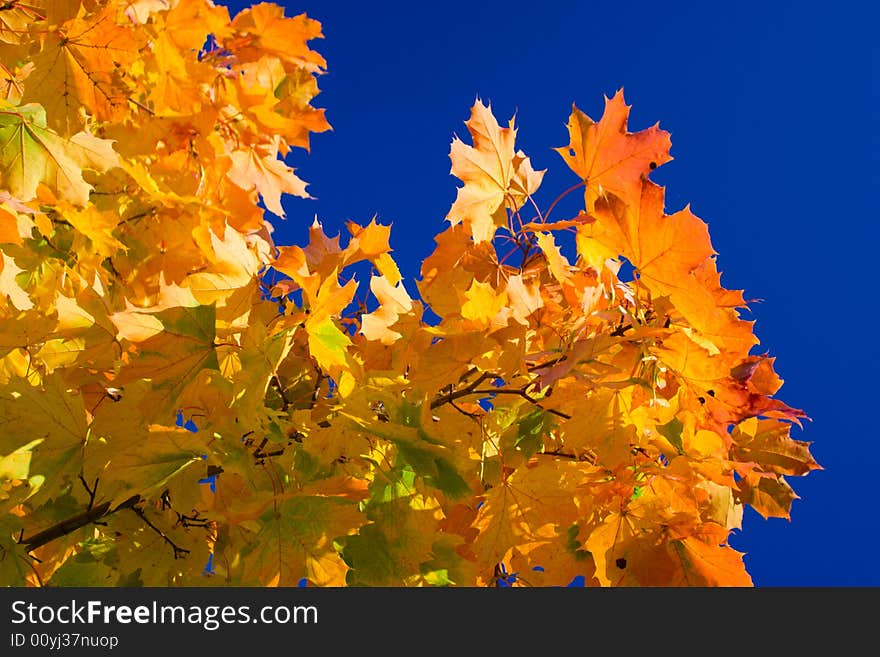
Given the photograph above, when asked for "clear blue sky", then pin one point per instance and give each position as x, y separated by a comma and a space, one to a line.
771, 107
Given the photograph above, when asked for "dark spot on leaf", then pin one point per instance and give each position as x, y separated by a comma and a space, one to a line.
711, 393
652, 166
702, 400
620, 563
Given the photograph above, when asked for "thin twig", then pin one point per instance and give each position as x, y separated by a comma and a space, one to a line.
562, 196
178, 551
473, 416
521, 392
142, 106
540, 366
90, 491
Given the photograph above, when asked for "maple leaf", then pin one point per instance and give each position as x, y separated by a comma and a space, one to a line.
525, 298
448, 359
138, 462
234, 266
767, 442
81, 65
189, 22
14, 569
172, 357
260, 356
768, 494
315, 522
55, 417
260, 169
14, 21
55, 12
673, 256
371, 242
327, 342
607, 157
263, 28
13, 80
495, 176
450, 267
398, 541
482, 303
393, 302
532, 506
14, 227
664, 249
9, 287
31, 154
706, 560
556, 262
96, 226
603, 426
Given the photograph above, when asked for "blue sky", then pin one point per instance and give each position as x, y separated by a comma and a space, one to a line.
770, 108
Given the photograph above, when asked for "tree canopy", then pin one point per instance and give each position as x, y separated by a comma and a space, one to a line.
184, 402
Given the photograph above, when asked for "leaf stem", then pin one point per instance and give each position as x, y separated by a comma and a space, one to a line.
562, 196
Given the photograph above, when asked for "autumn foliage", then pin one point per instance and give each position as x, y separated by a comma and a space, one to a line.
184, 402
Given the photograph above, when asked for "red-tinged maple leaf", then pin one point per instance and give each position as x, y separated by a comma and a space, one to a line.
609, 158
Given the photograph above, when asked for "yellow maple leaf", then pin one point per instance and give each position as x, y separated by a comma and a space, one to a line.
260, 169
393, 302
31, 154
81, 65
495, 176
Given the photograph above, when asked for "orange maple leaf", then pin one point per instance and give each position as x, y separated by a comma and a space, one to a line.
608, 157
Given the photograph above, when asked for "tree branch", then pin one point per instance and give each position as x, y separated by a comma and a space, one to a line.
463, 392
73, 523
589, 458
521, 392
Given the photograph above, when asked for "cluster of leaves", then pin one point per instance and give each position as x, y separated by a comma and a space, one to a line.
557, 421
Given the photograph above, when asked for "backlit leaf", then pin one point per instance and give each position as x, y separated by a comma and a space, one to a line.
31, 153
